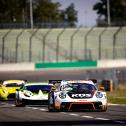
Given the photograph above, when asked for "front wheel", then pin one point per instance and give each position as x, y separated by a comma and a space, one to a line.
18, 103
51, 105
104, 108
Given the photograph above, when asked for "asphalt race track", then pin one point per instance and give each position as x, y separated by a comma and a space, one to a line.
39, 115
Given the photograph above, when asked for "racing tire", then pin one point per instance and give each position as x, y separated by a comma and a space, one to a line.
51, 105
104, 109
18, 103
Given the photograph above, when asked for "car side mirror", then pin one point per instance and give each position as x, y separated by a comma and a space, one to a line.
17, 89
53, 88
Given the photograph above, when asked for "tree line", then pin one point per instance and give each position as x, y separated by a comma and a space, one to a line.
117, 12
44, 11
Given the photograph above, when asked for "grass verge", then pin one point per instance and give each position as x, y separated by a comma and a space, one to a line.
117, 96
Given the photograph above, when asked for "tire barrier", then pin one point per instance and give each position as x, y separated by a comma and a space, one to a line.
107, 84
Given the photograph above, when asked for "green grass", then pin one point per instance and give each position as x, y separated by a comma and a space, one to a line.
117, 96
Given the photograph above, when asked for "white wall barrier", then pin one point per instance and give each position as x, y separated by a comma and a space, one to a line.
111, 63
31, 66
17, 67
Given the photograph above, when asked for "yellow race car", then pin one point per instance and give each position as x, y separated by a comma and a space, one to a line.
8, 88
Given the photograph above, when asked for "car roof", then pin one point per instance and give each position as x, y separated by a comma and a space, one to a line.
79, 81
12, 81
37, 83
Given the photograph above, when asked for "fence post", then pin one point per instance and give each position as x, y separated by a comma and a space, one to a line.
100, 43
3, 45
85, 43
114, 42
71, 44
30, 45
17, 39
44, 43
57, 49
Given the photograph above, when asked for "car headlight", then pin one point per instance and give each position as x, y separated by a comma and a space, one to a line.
99, 95
62, 95
4, 91
28, 93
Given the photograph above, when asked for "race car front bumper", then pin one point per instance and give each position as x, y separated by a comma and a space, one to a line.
34, 102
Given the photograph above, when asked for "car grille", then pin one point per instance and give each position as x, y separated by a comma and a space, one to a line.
81, 105
11, 96
35, 102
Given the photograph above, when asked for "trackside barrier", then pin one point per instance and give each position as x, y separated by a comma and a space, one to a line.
84, 64
17, 67
111, 63
107, 84
80, 64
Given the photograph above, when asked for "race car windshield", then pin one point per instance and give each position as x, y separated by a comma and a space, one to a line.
80, 87
36, 88
14, 84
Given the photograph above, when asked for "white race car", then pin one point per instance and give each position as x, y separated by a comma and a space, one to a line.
33, 93
76, 95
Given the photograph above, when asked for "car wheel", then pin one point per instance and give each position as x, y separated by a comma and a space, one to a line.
18, 103
105, 109
51, 105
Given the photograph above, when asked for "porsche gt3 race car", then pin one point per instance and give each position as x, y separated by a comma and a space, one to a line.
76, 95
33, 94
8, 88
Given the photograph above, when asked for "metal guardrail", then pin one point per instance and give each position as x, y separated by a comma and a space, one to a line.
59, 49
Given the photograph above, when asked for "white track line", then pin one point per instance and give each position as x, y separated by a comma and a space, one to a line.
89, 117
111, 104
84, 116
102, 119
43, 109
13, 105
122, 122
73, 114
34, 108
28, 107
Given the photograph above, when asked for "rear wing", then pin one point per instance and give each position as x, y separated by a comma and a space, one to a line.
93, 80
54, 81
56, 84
